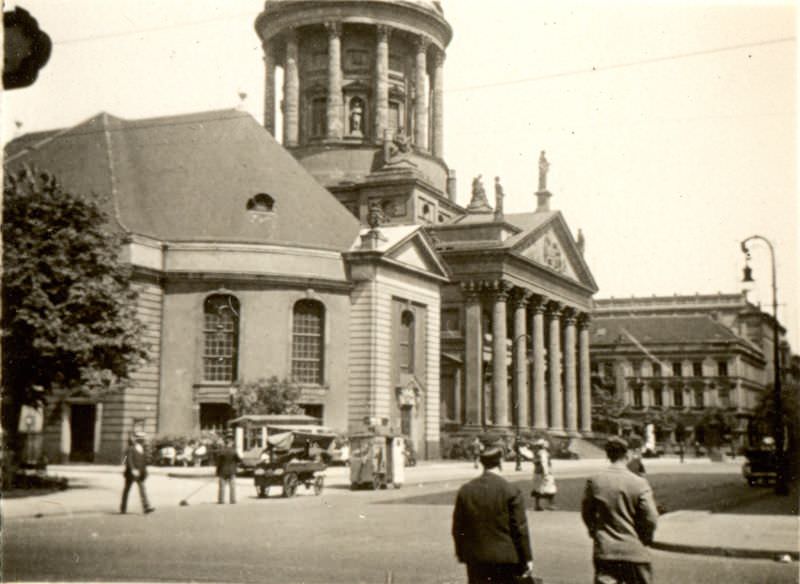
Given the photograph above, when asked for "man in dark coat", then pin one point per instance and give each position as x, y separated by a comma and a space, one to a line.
227, 459
620, 513
135, 462
490, 529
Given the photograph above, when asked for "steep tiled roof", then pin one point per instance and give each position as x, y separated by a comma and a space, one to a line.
659, 329
190, 177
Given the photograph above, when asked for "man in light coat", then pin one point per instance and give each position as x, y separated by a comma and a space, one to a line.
490, 530
620, 513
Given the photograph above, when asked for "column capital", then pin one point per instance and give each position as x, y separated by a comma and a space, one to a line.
422, 43
439, 57
584, 320
537, 303
554, 308
520, 297
570, 315
290, 34
498, 289
384, 32
471, 289
334, 28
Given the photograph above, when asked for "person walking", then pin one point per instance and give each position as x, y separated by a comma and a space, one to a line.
135, 462
544, 483
477, 448
227, 459
635, 464
620, 512
490, 530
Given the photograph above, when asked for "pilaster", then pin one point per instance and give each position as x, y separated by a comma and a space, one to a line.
421, 93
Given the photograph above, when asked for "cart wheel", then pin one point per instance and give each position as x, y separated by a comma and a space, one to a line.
319, 483
262, 492
289, 485
377, 482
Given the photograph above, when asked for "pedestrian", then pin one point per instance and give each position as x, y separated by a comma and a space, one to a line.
620, 513
227, 459
517, 452
135, 462
544, 483
477, 448
635, 464
490, 530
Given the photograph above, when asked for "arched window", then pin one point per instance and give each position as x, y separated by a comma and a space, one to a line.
221, 338
261, 203
307, 342
406, 356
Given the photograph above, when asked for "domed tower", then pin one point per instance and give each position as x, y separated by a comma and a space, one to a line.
361, 101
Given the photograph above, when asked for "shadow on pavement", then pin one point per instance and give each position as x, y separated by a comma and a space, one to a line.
716, 493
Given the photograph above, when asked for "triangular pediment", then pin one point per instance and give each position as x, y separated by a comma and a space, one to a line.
551, 245
417, 253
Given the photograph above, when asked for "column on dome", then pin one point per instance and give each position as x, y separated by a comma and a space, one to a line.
499, 356
382, 82
554, 368
421, 100
520, 348
584, 375
334, 110
291, 92
269, 88
438, 104
473, 354
538, 378
570, 378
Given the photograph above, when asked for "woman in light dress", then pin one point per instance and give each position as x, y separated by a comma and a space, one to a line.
544, 483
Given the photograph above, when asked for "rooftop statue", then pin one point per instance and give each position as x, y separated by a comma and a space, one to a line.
498, 197
479, 203
397, 150
544, 166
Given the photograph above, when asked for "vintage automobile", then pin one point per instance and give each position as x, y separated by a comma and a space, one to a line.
760, 467
293, 458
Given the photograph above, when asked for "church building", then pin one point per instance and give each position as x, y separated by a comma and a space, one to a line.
327, 246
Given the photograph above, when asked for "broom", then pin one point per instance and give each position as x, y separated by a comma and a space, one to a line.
185, 502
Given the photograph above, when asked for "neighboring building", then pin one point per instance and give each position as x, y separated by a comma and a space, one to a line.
248, 266
689, 356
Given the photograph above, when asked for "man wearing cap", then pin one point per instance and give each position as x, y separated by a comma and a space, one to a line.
135, 462
620, 513
227, 459
490, 529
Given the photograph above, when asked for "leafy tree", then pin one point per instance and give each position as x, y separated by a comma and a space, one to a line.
608, 410
267, 396
69, 309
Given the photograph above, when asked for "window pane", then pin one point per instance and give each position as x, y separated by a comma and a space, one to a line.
220, 338
307, 341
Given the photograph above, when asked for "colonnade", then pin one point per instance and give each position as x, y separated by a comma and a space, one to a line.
427, 113
550, 375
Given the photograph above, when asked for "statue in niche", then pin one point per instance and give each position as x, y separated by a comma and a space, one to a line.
397, 150
544, 167
356, 116
375, 215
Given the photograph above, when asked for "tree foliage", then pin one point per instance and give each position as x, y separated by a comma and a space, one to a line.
267, 396
69, 309
609, 412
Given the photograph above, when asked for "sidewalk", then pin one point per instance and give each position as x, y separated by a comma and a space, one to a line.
762, 526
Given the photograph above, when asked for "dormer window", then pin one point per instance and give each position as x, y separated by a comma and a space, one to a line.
261, 203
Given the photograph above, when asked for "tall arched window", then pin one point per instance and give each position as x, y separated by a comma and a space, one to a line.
307, 342
221, 338
406, 356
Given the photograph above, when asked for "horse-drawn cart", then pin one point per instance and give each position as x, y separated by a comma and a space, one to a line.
294, 459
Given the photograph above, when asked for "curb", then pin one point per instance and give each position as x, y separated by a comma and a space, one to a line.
726, 552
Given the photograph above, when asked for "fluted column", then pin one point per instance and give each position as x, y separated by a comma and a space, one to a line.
269, 88
539, 389
473, 355
421, 101
457, 394
570, 378
291, 92
499, 370
382, 82
584, 375
554, 368
334, 110
521, 416
438, 104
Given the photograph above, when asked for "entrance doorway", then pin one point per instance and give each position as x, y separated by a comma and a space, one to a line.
82, 418
215, 416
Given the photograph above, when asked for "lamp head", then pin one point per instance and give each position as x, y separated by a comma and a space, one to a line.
748, 274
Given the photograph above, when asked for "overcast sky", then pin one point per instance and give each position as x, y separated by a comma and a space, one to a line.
670, 127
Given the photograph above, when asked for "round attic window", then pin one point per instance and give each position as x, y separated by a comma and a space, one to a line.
261, 203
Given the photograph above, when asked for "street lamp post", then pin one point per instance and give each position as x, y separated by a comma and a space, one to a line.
781, 486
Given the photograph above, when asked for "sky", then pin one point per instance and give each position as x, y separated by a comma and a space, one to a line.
670, 126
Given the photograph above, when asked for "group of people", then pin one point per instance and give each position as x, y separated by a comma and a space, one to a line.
490, 528
135, 471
